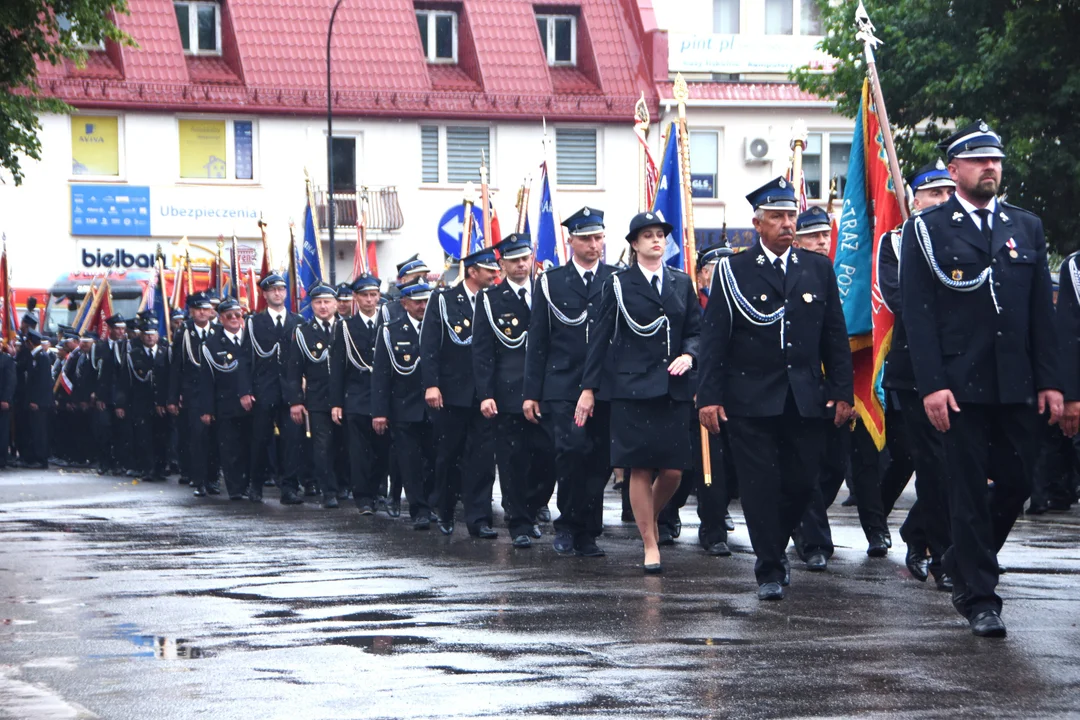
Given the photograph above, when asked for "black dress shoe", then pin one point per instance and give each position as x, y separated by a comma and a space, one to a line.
877, 548
666, 538
213, 489
653, 568
943, 581
770, 591
421, 522
446, 528
888, 538
256, 498
268, 483
787, 572
366, 508
988, 624
587, 548
728, 522
817, 562
200, 492
291, 498
433, 516
543, 515
310, 491
237, 496
536, 532
850, 501
522, 542
917, 563
718, 549
181, 481
676, 529
563, 543
330, 502
393, 510
486, 532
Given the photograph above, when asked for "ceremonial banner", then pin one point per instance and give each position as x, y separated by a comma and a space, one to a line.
547, 241
668, 203
309, 267
870, 209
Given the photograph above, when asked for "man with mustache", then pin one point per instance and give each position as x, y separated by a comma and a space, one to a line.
773, 324
978, 309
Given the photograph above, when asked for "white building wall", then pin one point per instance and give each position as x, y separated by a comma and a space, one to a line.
36, 216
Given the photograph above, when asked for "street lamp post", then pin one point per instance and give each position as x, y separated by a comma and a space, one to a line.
331, 205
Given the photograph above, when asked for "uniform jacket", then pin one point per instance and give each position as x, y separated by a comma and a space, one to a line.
745, 368
142, 383
84, 376
392, 310
187, 362
447, 358
637, 366
1068, 326
555, 357
268, 349
499, 337
311, 366
109, 356
225, 375
957, 339
898, 374
397, 386
353, 356
39, 380
7, 378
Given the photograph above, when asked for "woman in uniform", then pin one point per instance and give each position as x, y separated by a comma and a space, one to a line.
641, 352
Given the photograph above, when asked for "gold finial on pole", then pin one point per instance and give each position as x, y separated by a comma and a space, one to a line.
641, 125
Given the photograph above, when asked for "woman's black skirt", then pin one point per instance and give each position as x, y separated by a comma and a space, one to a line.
651, 433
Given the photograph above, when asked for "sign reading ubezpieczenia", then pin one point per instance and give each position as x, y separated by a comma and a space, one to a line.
125, 210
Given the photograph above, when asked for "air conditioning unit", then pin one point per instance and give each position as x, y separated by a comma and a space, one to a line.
756, 150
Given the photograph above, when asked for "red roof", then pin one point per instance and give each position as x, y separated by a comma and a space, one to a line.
743, 92
274, 61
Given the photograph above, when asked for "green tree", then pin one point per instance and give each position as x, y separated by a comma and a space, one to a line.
944, 63
42, 30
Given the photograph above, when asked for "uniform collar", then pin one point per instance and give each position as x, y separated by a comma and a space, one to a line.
771, 256
972, 211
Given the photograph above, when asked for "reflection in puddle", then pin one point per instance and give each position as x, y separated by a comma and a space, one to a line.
377, 644
166, 648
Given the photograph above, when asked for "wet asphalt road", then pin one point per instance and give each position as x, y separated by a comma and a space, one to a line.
121, 600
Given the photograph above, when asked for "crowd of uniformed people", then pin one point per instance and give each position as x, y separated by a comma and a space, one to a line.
558, 379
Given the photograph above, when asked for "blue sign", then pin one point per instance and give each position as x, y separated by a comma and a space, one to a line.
114, 210
703, 186
450, 226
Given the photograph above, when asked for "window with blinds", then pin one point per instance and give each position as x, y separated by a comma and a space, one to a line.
575, 156
463, 148
429, 154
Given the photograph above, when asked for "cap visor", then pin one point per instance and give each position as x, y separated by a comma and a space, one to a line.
587, 230
986, 152
820, 227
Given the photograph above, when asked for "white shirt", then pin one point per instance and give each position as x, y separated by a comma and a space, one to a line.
369, 320
516, 289
470, 294
415, 323
277, 317
581, 269
772, 256
203, 331
237, 338
649, 275
972, 211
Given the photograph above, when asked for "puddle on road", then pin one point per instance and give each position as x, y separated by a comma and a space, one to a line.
378, 644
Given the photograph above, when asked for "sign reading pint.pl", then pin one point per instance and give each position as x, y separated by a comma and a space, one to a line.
141, 211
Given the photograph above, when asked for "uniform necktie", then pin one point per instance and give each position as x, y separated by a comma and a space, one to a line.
326, 327
524, 295
277, 322
984, 216
370, 324
779, 265
655, 282
588, 281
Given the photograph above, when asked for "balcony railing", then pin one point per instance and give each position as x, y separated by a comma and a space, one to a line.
380, 206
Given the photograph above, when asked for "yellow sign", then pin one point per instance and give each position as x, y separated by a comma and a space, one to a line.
95, 145
202, 148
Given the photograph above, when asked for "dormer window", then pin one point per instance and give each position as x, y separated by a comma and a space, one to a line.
200, 26
558, 35
438, 35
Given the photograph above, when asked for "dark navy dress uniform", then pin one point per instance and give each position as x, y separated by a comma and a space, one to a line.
397, 394
566, 306
913, 442
994, 346
463, 436
7, 396
40, 402
774, 352
270, 334
353, 355
307, 383
650, 408
523, 451
226, 376
142, 387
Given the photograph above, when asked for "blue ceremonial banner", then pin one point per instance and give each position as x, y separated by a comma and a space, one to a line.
668, 203
309, 267
855, 240
547, 242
